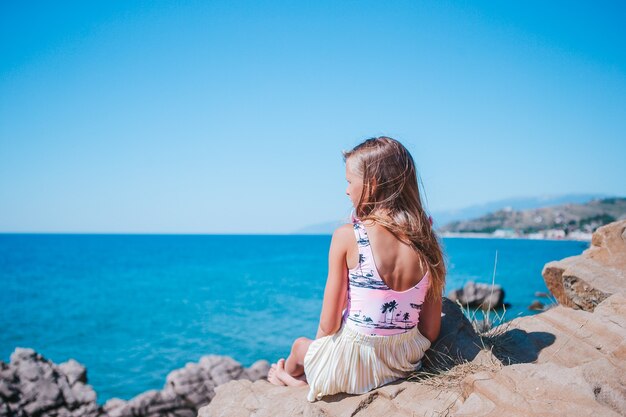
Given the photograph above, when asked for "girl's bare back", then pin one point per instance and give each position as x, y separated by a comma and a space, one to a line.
397, 263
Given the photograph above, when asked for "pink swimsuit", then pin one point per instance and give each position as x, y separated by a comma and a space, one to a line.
374, 308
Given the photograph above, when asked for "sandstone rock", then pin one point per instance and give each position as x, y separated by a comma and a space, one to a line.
478, 295
584, 281
262, 399
546, 390
536, 305
576, 362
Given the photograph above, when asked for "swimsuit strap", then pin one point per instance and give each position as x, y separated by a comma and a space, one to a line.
363, 244
359, 239
362, 237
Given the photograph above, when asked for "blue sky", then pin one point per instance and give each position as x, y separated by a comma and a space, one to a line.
230, 117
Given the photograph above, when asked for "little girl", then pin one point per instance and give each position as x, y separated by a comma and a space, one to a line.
382, 301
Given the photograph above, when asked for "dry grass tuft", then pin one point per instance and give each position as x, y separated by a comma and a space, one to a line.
451, 378
493, 329
552, 303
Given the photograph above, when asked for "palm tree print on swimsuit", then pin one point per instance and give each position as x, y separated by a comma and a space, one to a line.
388, 307
391, 306
405, 318
365, 321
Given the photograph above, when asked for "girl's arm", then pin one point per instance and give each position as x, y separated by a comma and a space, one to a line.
336, 283
430, 319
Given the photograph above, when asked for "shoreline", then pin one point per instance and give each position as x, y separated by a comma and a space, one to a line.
471, 235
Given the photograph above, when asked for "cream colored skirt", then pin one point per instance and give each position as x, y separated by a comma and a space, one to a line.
355, 363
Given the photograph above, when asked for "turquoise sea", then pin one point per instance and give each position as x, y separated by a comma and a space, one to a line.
132, 308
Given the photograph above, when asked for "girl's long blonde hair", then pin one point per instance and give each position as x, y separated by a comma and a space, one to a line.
391, 198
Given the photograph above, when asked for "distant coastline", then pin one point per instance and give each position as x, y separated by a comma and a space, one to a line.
574, 222
582, 237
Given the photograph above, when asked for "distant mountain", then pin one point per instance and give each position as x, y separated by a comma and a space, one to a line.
326, 228
569, 218
446, 216
319, 229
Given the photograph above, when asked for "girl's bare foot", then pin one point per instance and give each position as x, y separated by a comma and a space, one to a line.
271, 376
287, 379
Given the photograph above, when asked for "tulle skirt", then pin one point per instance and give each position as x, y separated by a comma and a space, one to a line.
355, 363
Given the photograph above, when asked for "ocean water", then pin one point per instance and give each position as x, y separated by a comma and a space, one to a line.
132, 308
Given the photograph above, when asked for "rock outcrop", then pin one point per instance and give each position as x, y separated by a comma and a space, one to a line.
186, 389
584, 281
31, 385
562, 361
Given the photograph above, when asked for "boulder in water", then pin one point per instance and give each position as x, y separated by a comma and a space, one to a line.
478, 295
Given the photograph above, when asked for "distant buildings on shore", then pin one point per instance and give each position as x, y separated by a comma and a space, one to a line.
508, 233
